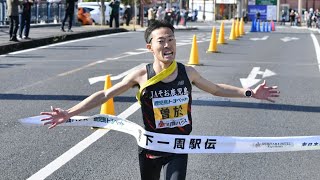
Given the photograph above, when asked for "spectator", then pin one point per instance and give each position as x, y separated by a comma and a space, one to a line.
127, 15
173, 15
185, 16
305, 17
178, 16
297, 19
168, 16
25, 19
283, 17
317, 18
151, 16
160, 14
13, 14
115, 7
69, 12
258, 16
245, 16
292, 17
310, 18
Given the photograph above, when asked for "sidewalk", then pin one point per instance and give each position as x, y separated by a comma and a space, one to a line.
44, 34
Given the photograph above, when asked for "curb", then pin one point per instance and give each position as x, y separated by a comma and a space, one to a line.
39, 25
11, 47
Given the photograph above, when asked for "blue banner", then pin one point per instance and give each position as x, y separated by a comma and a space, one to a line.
254, 9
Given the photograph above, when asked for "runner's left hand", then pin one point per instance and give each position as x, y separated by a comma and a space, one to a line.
265, 93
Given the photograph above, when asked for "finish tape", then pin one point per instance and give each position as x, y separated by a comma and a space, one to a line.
183, 144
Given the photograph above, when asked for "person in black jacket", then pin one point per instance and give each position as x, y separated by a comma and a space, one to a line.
127, 14
115, 6
25, 19
69, 11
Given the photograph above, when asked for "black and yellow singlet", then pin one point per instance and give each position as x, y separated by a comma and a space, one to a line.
166, 107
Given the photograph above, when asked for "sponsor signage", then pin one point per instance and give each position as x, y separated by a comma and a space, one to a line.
266, 2
251, 2
225, 1
254, 9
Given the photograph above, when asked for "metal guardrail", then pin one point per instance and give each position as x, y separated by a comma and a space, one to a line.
41, 12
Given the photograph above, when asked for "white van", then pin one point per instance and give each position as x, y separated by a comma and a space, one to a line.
95, 11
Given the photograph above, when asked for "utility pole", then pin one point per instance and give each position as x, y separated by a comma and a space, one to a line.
192, 5
278, 10
300, 7
135, 15
214, 11
141, 13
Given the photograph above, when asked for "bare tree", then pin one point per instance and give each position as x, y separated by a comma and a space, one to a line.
103, 10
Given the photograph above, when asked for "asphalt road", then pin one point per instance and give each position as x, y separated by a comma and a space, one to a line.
33, 80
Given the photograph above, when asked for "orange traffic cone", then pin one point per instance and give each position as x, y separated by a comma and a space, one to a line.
213, 43
273, 28
194, 56
221, 34
107, 107
232, 33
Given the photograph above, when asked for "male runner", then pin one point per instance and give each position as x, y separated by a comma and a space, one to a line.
159, 117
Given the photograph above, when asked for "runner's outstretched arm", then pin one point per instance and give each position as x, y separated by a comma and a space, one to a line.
260, 92
58, 115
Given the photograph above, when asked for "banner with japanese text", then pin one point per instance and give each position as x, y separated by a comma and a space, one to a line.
189, 143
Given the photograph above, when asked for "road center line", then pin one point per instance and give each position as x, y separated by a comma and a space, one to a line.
78, 148
317, 48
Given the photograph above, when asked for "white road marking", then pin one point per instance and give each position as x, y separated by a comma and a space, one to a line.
142, 49
317, 48
260, 39
287, 39
113, 78
133, 53
251, 79
78, 148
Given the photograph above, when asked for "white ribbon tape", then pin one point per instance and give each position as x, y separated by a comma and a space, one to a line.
183, 144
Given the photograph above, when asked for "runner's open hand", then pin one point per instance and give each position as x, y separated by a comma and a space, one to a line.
56, 117
263, 92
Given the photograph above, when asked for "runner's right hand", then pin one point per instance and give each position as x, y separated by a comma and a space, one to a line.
56, 117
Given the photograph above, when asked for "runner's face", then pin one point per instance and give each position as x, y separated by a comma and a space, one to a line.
163, 45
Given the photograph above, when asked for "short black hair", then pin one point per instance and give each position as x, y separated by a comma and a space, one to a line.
156, 25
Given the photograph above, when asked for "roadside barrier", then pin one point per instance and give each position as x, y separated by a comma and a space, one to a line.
253, 26
273, 27
265, 27
258, 26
